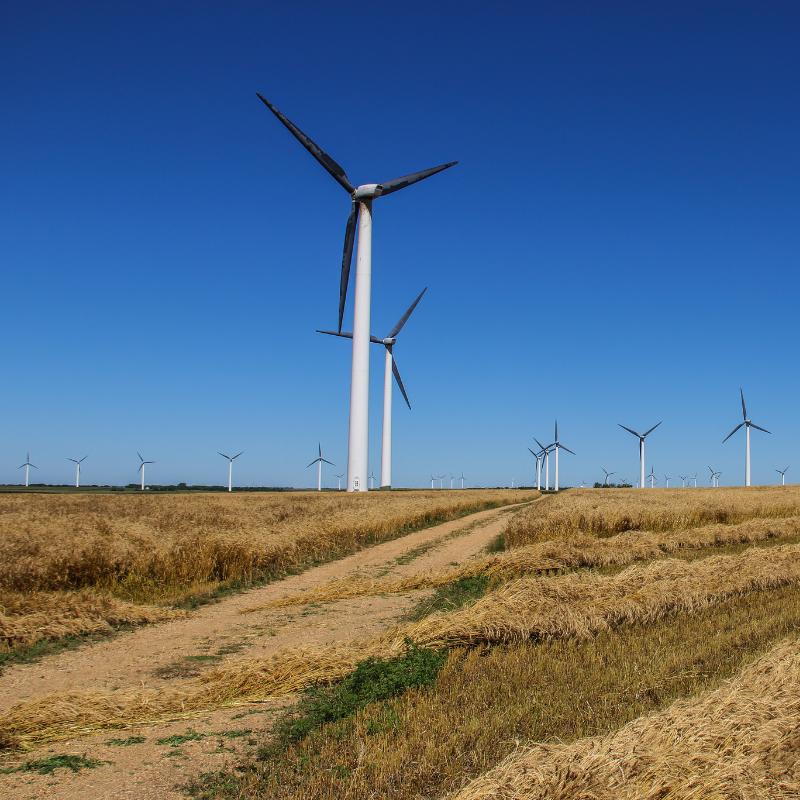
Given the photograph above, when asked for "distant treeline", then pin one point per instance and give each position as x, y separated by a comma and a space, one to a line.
599, 485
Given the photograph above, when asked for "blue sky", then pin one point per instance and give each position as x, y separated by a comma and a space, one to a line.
619, 242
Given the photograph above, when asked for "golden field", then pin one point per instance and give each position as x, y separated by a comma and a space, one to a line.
80, 563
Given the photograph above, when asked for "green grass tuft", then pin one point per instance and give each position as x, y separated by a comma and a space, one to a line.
46, 766
452, 595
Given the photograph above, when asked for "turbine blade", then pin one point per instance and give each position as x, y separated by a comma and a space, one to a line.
759, 428
347, 259
651, 429
312, 463
630, 430
224, 455
539, 443
374, 339
345, 335
744, 407
402, 321
335, 170
140, 455
400, 183
399, 380
237, 455
741, 424
325, 461
561, 446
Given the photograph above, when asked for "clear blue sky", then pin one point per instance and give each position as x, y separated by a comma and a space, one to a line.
618, 244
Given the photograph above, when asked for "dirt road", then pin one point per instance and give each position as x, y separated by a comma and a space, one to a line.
151, 761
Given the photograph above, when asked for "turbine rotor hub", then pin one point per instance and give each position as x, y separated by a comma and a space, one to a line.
367, 191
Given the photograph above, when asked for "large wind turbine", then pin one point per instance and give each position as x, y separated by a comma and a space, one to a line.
607, 474
390, 369
78, 462
782, 473
558, 446
231, 459
142, 462
641, 437
319, 461
546, 455
361, 214
747, 423
27, 466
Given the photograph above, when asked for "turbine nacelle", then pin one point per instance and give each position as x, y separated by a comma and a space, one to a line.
367, 191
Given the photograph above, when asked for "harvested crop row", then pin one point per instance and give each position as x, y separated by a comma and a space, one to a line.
559, 554
30, 618
573, 606
738, 741
604, 513
155, 548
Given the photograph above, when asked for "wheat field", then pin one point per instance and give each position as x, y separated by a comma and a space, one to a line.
85, 563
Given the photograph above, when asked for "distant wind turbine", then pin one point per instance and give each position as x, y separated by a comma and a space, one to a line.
652, 477
641, 437
747, 423
683, 481
319, 461
782, 473
77, 462
667, 479
231, 459
27, 465
714, 477
546, 454
558, 446
360, 213
607, 474
339, 479
433, 479
462, 479
142, 462
441, 481
538, 456
694, 478
390, 368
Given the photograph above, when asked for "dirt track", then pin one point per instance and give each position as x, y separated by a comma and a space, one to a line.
170, 653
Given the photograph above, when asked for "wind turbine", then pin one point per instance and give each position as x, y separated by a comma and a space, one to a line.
339, 479
546, 455
683, 481
782, 473
27, 466
652, 477
361, 214
694, 478
433, 478
319, 461
452, 478
142, 462
538, 456
558, 446
78, 462
714, 477
390, 368
607, 474
441, 481
641, 437
231, 459
747, 423
462, 479
667, 479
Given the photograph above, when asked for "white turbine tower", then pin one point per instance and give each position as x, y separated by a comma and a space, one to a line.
747, 423
339, 480
652, 477
538, 456
546, 455
441, 481
361, 214
78, 462
142, 462
782, 473
462, 479
390, 368
607, 474
231, 459
27, 465
641, 437
694, 478
319, 461
433, 479
667, 479
714, 477
683, 481
558, 446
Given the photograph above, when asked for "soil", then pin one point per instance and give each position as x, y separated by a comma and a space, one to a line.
171, 653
